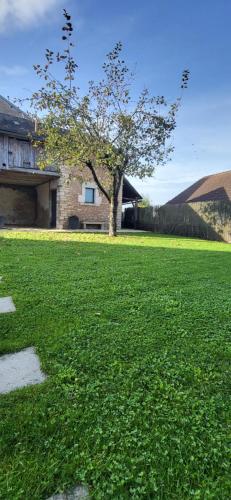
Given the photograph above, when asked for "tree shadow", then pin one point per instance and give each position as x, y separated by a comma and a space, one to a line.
209, 219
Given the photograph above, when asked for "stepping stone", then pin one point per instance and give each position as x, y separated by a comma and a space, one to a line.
19, 370
76, 494
7, 305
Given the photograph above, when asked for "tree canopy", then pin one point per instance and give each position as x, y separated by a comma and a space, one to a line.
104, 130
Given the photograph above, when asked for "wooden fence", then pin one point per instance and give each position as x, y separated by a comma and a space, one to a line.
208, 220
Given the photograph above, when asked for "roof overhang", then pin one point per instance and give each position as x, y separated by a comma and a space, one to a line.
26, 177
129, 193
11, 133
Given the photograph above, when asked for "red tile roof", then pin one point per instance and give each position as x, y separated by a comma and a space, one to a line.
211, 188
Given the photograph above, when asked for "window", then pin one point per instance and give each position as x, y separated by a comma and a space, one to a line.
91, 225
89, 195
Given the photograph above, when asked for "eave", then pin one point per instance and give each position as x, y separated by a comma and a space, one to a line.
130, 194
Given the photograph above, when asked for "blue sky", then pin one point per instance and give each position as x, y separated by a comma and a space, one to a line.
161, 38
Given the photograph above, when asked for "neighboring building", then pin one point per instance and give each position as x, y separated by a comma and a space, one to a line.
48, 198
203, 209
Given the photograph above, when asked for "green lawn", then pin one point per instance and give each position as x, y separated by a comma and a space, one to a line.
134, 334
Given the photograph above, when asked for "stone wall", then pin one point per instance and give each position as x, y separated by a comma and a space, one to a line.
43, 205
70, 200
28, 206
18, 205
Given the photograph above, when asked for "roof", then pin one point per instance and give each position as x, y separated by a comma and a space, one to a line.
215, 187
9, 108
129, 192
13, 120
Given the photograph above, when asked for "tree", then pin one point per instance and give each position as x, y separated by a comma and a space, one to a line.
104, 130
145, 202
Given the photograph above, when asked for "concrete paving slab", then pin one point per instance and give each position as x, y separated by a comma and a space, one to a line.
76, 494
7, 305
19, 370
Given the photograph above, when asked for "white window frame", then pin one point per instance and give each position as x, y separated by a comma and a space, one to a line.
93, 193
81, 197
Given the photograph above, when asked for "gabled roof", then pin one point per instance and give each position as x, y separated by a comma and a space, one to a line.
13, 120
215, 187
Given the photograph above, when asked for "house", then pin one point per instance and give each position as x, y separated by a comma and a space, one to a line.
46, 198
203, 209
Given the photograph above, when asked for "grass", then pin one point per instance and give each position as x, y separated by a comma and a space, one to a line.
134, 334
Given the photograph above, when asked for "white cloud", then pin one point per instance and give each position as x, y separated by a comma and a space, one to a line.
23, 13
15, 70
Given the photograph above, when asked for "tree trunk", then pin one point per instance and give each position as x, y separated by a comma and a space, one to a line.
113, 216
111, 196
114, 202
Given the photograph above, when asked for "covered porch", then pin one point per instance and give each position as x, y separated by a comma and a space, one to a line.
28, 197
130, 194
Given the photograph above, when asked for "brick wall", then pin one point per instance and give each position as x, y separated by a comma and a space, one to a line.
70, 199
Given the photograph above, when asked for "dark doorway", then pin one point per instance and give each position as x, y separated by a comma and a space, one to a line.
53, 207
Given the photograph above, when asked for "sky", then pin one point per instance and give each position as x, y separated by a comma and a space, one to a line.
161, 38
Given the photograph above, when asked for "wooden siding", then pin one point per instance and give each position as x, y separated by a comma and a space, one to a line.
16, 153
